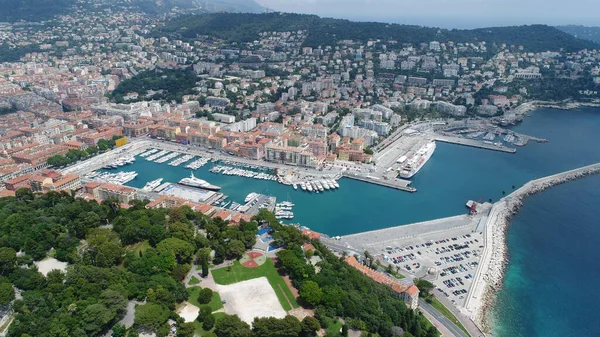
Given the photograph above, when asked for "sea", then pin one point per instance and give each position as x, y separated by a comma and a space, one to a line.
551, 284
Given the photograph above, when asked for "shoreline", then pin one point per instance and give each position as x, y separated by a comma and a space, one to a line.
533, 105
489, 277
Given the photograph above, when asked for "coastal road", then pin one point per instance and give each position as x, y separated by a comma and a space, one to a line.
456, 331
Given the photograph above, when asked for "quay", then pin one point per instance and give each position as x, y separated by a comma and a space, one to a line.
473, 143
488, 277
399, 184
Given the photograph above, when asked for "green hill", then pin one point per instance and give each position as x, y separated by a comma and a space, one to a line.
32, 10
327, 31
582, 32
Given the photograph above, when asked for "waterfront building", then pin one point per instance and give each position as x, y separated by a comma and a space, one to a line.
50, 180
409, 293
123, 194
38, 155
136, 129
290, 155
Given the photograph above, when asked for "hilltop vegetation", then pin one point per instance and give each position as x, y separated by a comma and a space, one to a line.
106, 271
582, 32
242, 28
170, 84
32, 10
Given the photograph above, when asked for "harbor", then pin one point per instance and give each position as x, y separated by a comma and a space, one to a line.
398, 184
489, 276
475, 143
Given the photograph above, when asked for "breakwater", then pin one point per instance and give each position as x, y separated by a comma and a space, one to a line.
473, 143
489, 276
399, 184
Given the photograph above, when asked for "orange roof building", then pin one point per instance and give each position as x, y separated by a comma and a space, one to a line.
408, 293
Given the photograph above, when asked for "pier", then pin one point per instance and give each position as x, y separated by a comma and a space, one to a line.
488, 278
473, 143
399, 184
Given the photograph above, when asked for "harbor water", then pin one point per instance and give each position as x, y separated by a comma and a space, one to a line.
550, 281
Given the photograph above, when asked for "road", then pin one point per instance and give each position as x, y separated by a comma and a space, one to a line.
456, 331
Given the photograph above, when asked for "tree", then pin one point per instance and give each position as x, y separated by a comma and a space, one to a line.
289, 326
185, 330
209, 322
114, 301
235, 249
205, 310
205, 296
232, 326
24, 194
119, 330
7, 293
311, 293
345, 330
310, 326
151, 315
182, 250
8, 258
424, 286
105, 247
204, 266
94, 317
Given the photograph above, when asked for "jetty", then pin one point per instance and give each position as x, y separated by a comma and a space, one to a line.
488, 278
473, 143
399, 184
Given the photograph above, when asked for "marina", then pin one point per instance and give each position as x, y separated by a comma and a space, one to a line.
166, 158
181, 160
196, 164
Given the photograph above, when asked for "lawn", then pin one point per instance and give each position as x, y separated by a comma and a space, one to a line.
240, 273
444, 311
215, 302
334, 329
194, 280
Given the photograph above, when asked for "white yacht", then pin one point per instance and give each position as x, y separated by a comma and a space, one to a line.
195, 182
151, 185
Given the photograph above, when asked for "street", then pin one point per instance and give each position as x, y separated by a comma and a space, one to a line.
442, 319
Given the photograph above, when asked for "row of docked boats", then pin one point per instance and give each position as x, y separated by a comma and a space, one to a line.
118, 178
180, 160
318, 185
149, 152
283, 210
120, 162
167, 157
157, 155
198, 163
234, 171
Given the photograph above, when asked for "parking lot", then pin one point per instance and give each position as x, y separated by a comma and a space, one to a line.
448, 260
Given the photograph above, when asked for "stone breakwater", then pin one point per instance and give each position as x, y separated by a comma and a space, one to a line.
489, 277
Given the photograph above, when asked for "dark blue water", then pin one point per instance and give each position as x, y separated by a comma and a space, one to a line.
551, 281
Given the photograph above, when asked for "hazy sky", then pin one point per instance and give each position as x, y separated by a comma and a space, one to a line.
450, 13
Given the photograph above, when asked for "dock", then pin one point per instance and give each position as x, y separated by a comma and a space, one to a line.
399, 184
473, 143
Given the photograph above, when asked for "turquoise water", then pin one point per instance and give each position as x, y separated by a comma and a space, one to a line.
550, 286
453, 175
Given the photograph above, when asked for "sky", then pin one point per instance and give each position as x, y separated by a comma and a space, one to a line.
450, 13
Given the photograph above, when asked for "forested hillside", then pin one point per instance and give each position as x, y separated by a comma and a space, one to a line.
326, 31
582, 32
116, 255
